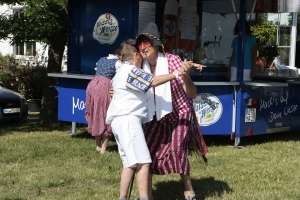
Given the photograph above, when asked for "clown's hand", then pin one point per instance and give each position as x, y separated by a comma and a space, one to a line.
198, 66
185, 67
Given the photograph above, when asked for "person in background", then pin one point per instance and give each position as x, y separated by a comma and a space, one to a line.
128, 111
250, 54
174, 125
98, 99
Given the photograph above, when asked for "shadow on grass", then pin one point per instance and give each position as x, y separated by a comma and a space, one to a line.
205, 187
86, 135
31, 124
217, 140
9, 127
250, 140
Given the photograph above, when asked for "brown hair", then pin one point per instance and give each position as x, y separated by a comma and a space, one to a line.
237, 30
118, 51
127, 51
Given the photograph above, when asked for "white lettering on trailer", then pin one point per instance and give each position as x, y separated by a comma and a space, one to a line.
80, 105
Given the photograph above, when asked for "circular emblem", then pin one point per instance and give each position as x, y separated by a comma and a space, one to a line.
106, 29
208, 109
170, 27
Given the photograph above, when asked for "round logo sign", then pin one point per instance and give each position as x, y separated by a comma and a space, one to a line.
208, 109
170, 27
106, 29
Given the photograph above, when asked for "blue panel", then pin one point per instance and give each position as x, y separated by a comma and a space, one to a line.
74, 27
92, 50
278, 107
83, 47
209, 74
294, 100
71, 99
223, 126
71, 104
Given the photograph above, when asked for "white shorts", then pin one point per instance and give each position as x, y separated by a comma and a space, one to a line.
131, 141
233, 74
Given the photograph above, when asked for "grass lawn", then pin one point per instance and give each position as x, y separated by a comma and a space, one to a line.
39, 164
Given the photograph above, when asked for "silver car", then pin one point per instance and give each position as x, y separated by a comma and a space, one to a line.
13, 106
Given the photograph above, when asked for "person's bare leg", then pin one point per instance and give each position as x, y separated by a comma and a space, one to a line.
105, 140
142, 178
126, 177
188, 187
98, 143
150, 195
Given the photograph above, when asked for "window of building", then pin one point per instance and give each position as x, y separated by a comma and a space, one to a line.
285, 37
26, 49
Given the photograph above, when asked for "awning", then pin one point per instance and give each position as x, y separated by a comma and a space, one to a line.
262, 6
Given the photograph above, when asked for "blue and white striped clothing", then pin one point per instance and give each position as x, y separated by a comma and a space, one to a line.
139, 80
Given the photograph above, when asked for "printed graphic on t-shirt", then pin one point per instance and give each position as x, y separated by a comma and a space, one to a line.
139, 80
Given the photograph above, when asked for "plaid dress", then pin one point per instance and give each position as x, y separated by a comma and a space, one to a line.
168, 140
98, 97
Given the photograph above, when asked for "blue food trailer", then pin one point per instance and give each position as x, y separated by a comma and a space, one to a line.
268, 104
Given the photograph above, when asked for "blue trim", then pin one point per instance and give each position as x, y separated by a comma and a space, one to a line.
74, 29
241, 43
240, 69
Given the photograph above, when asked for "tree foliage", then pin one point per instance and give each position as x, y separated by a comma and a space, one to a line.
264, 31
22, 77
40, 21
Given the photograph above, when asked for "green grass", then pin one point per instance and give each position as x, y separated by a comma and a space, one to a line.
39, 164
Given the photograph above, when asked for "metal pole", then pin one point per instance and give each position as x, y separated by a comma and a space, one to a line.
73, 128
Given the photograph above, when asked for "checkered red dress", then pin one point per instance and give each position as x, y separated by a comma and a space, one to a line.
168, 140
98, 97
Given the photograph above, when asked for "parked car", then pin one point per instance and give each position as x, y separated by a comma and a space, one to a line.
13, 106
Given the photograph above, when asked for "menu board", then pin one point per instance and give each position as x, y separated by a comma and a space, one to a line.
188, 22
146, 14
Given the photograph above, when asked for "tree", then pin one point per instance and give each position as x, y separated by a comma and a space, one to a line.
40, 21
264, 31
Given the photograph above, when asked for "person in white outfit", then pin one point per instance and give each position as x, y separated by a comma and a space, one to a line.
126, 113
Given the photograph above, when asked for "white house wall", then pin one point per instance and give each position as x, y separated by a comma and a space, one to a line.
5, 47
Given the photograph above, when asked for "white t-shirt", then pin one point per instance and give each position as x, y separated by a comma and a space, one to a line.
130, 85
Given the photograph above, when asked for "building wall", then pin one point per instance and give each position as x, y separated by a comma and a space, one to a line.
5, 47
